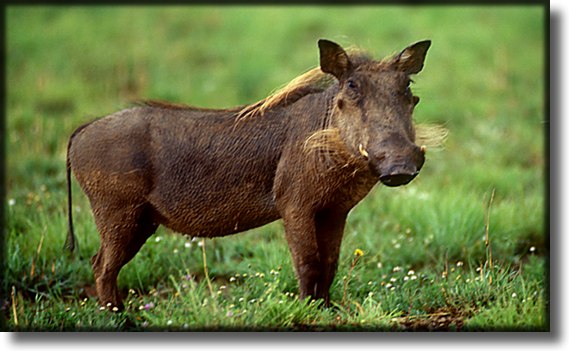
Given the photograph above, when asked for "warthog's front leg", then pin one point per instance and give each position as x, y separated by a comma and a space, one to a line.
300, 233
329, 233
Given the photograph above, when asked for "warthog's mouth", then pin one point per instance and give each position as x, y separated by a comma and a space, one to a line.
397, 179
398, 174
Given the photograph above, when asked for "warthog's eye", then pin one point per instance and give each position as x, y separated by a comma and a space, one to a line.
352, 85
353, 89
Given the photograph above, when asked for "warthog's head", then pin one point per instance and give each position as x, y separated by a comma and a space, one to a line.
373, 109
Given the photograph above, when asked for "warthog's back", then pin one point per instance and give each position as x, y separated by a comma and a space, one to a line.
202, 173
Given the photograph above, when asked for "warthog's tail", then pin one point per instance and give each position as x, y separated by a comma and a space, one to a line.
70, 241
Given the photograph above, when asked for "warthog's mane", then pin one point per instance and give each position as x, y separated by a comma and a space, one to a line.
310, 82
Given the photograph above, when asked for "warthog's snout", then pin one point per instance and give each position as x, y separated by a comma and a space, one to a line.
401, 170
398, 175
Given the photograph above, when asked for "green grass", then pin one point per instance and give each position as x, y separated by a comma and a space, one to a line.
427, 264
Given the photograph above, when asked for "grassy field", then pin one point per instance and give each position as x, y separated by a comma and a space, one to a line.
463, 247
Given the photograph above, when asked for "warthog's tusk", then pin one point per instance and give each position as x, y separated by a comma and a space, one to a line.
363, 151
423, 149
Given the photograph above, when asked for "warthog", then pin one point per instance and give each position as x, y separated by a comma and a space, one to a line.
307, 154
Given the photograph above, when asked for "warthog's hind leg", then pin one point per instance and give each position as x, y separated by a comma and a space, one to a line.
123, 232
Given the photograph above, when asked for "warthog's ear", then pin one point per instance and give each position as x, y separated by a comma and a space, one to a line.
411, 59
333, 59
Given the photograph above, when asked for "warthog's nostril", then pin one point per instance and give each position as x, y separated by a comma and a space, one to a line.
397, 179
